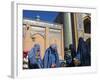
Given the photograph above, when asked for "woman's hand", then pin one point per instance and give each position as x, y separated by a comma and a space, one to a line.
76, 62
53, 65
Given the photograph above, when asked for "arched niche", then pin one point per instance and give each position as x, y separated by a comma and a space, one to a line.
87, 24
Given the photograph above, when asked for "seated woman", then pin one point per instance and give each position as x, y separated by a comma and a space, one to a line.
34, 58
73, 54
51, 58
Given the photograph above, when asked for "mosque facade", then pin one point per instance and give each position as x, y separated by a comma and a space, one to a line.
66, 30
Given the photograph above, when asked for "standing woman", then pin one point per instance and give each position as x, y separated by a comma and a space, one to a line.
51, 58
88, 43
82, 52
34, 57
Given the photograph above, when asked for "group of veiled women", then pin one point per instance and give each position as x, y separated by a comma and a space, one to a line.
81, 57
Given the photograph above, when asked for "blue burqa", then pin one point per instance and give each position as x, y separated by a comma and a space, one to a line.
88, 43
34, 56
82, 52
51, 57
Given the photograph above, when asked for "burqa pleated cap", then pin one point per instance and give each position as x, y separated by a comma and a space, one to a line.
37, 46
53, 46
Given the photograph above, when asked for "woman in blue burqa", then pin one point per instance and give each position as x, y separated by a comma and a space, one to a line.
88, 43
82, 52
51, 58
34, 58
